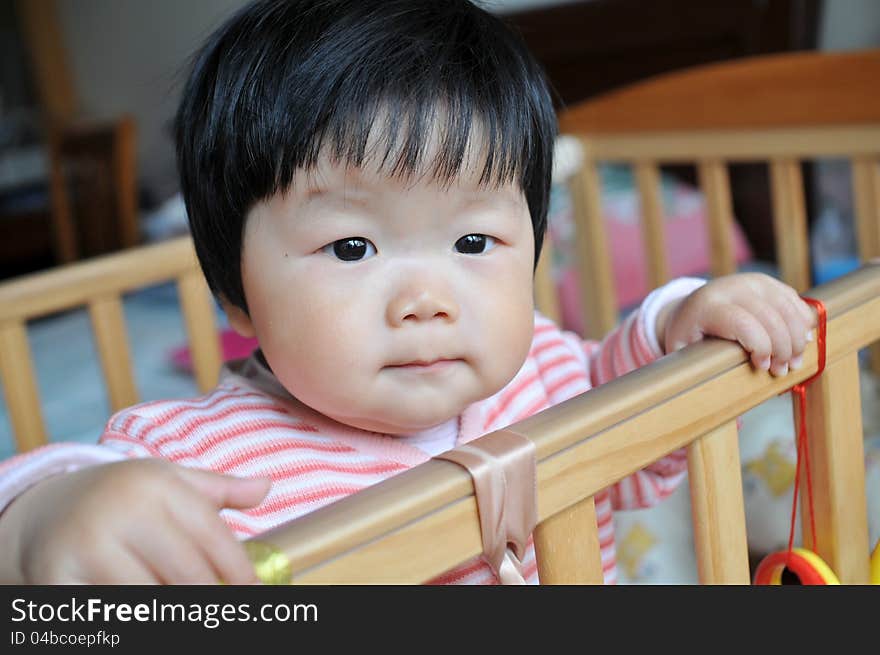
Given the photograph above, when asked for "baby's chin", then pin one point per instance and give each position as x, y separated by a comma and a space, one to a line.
403, 428
400, 424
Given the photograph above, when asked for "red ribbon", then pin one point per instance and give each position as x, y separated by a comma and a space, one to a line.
800, 392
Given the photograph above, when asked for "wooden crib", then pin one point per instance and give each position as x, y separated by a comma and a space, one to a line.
424, 521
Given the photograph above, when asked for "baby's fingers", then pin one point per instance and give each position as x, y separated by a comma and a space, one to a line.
739, 324
216, 544
173, 557
781, 325
108, 564
797, 328
226, 490
802, 308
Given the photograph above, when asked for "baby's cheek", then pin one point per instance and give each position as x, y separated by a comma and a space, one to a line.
509, 331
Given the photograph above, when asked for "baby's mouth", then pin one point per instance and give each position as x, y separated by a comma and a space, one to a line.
425, 366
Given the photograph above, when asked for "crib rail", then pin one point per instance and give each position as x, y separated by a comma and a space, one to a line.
99, 284
782, 149
421, 523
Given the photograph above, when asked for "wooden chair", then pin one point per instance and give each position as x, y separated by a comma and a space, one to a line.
388, 533
99, 284
781, 109
92, 164
93, 187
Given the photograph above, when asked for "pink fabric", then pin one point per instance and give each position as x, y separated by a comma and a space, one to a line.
503, 467
687, 248
232, 346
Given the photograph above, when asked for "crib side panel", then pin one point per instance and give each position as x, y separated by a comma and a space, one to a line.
718, 508
20, 386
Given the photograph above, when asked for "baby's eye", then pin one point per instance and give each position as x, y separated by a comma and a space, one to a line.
351, 249
474, 244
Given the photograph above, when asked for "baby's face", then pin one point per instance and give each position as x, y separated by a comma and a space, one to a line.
389, 305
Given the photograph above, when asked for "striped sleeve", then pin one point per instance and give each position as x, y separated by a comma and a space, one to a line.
630, 346
24, 470
635, 343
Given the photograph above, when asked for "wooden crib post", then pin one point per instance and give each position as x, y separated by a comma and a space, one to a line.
567, 546
20, 387
866, 195
715, 184
837, 463
198, 313
108, 324
546, 295
718, 508
651, 201
790, 222
597, 286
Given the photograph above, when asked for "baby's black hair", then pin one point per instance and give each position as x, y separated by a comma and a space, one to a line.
283, 79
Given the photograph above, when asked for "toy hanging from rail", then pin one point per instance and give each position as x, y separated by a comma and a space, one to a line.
805, 564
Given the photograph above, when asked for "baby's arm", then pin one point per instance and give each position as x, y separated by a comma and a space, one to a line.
114, 513
632, 345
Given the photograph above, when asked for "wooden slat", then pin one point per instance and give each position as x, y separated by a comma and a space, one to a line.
198, 312
599, 298
65, 287
111, 339
834, 420
64, 240
741, 145
866, 191
790, 223
125, 172
20, 387
717, 504
866, 195
651, 199
567, 546
715, 183
546, 294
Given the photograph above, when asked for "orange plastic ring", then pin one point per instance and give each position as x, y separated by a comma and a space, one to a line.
875, 565
805, 564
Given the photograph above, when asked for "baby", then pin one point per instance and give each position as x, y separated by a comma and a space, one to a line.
367, 185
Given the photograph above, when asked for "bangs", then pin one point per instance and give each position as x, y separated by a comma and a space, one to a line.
440, 114
420, 138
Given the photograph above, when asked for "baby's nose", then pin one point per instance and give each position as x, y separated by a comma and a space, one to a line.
413, 306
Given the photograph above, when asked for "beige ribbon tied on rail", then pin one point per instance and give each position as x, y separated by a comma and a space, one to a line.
502, 465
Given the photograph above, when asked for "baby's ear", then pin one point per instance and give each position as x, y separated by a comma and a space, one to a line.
238, 319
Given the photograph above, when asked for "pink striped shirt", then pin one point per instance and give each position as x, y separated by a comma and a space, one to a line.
251, 426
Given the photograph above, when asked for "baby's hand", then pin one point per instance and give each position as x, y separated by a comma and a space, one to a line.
766, 316
133, 522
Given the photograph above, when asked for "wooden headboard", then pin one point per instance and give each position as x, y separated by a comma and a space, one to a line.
593, 46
